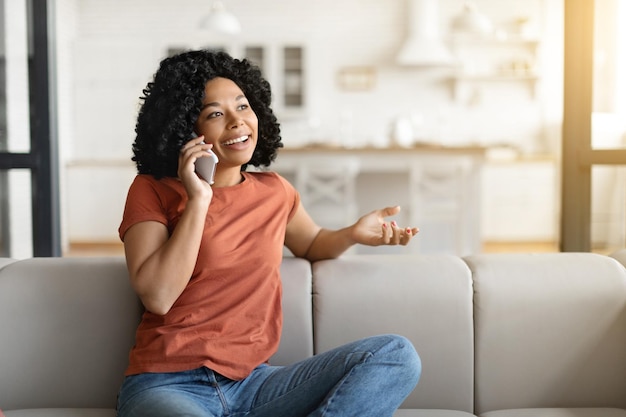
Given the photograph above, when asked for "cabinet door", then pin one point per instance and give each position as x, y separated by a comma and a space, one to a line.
284, 68
293, 77
520, 202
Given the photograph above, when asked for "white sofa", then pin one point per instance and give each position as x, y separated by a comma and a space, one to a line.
499, 335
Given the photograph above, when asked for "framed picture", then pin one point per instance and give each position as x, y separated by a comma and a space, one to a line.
357, 78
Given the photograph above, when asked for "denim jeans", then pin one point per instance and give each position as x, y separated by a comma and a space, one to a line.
369, 377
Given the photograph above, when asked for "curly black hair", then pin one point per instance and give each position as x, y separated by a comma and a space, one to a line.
172, 103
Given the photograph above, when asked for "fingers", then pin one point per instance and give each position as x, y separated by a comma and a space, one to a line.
387, 233
394, 235
190, 152
390, 211
194, 149
195, 145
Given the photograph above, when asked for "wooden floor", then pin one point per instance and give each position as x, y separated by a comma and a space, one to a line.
95, 249
520, 247
116, 249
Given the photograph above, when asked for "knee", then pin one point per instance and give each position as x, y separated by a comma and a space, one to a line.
408, 362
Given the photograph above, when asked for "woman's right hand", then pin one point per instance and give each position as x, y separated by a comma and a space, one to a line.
160, 264
195, 186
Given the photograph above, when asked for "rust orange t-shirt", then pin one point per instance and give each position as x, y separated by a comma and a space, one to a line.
229, 317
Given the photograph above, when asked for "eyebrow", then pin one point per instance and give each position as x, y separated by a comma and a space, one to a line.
217, 104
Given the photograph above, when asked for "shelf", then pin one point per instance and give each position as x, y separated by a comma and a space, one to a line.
490, 59
462, 82
482, 41
494, 77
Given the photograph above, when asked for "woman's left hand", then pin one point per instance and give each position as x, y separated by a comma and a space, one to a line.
373, 230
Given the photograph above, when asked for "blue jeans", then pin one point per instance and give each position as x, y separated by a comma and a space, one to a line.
369, 377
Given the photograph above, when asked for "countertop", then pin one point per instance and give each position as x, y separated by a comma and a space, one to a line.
491, 154
418, 148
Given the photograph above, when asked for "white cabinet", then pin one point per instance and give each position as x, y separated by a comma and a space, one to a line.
520, 201
282, 65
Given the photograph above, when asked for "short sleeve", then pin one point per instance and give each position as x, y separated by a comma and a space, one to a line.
143, 203
293, 197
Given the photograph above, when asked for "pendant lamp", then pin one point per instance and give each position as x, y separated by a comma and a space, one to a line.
220, 20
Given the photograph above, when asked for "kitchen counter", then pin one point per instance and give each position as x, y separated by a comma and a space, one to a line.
437, 187
371, 159
389, 149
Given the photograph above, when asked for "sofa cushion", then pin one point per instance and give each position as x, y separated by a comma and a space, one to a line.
427, 299
72, 323
296, 342
62, 412
558, 412
549, 331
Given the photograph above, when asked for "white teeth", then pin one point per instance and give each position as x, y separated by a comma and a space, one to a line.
232, 142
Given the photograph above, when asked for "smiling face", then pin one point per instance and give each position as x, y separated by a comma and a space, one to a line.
228, 122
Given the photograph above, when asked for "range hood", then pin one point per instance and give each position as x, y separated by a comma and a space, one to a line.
424, 46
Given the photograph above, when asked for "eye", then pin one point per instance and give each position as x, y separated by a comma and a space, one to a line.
214, 115
244, 106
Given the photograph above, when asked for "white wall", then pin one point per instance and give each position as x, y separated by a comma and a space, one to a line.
15, 49
117, 45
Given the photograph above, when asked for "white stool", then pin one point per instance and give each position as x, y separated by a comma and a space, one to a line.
327, 187
445, 205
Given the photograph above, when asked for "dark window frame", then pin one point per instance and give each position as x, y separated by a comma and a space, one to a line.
42, 160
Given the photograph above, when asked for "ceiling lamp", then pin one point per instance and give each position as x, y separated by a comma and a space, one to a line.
221, 20
472, 21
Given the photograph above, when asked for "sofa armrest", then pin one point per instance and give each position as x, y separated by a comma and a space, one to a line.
550, 330
4, 262
67, 325
620, 255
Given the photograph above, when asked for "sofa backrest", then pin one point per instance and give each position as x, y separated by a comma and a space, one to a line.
550, 330
427, 299
66, 326
296, 342
6, 261
620, 255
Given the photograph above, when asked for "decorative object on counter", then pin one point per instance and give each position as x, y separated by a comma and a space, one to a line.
220, 20
402, 132
502, 152
472, 21
419, 128
423, 46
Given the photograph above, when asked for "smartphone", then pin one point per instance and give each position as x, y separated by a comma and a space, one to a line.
205, 166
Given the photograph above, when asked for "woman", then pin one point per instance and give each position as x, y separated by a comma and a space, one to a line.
204, 260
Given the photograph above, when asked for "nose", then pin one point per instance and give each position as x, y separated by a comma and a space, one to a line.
235, 122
